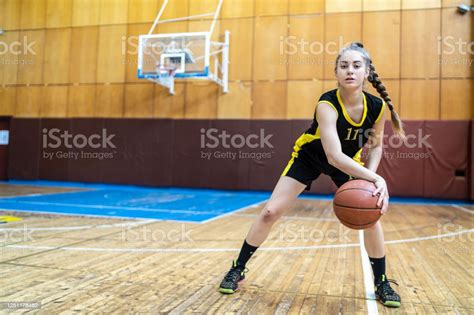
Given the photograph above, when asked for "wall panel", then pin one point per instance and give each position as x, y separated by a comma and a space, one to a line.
457, 99
237, 8
269, 100
113, 12
110, 60
241, 46
302, 98
202, 7
383, 43
169, 106
30, 67
140, 11
28, 101
237, 103
424, 4
201, 100
340, 30
59, 13
139, 100
9, 58
418, 100
56, 55
83, 65
8, 101
339, 6
419, 46
456, 61
269, 61
377, 5
109, 100
175, 9
85, 12
305, 61
271, 7
306, 6
81, 101
33, 14
10, 14
54, 102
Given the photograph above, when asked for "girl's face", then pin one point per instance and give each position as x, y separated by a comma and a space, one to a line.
351, 71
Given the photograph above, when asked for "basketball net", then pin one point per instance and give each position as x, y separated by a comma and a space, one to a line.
166, 74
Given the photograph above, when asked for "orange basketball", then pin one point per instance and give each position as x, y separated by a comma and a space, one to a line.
355, 206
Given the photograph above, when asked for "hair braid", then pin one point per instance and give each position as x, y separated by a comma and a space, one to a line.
377, 84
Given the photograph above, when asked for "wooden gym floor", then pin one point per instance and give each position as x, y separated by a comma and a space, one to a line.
310, 264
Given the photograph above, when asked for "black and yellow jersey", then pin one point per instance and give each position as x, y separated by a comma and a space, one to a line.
308, 148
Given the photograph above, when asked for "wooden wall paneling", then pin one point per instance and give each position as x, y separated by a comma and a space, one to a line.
201, 100
454, 3
424, 4
54, 102
139, 100
109, 101
30, 61
57, 55
329, 85
10, 14
174, 9
169, 106
81, 101
33, 14
457, 99
237, 103
237, 8
377, 5
302, 98
141, 11
83, 60
268, 61
113, 12
418, 101
131, 53
269, 100
8, 101
340, 30
241, 47
383, 43
111, 56
305, 61
339, 6
9, 58
456, 60
202, 7
306, 6
175, 27
28, 101
85, 12
419, 47
271, 7
59, 13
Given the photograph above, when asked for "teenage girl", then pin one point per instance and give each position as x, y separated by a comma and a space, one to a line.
344, 120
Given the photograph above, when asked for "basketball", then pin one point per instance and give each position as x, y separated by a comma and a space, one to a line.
355, 206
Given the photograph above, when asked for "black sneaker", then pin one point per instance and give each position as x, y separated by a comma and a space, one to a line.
230, 283
385, 294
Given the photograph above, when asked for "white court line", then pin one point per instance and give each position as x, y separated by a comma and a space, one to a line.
111, 207
368, 279
463, 209
234, 212
82, 227
94, 215
210, 250
286, 217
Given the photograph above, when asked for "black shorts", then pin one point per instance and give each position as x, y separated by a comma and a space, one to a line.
306, 174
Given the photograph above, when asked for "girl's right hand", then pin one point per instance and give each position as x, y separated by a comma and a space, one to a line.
382, 192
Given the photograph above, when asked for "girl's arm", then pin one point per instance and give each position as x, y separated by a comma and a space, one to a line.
327, 117
375, 144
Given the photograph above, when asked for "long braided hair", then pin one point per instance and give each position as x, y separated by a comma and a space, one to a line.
376, 83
